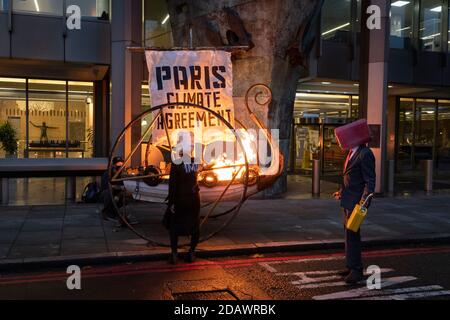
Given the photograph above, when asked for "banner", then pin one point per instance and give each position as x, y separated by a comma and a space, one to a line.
203, 77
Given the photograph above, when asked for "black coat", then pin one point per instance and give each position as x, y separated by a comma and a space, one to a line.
359, 178
185, 196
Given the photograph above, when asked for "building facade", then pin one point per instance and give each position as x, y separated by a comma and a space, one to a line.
68, 93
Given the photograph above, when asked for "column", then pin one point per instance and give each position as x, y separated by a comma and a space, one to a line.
126, 70
374, 75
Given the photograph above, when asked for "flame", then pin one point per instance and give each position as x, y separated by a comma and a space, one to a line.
227, 174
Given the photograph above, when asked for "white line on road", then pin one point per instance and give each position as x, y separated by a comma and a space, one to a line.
356, 293
406, 296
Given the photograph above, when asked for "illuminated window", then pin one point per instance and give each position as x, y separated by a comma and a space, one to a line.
56, 127
92, 8
443, 135
430, 25
336, 20
3, 5
51, 7
401, 23
89, 8
12, 110
157, 28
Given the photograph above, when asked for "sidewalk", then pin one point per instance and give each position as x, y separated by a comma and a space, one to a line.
76, 232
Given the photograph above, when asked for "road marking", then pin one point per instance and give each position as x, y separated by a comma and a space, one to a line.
415, 295
326, 279
360, 292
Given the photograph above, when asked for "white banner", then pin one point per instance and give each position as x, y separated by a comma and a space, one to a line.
203, 77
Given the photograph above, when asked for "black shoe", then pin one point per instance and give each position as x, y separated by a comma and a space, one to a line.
354, 277
173, 258
190, 256
344, 273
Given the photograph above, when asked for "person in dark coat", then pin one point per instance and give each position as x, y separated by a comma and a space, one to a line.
358, 183
184, 197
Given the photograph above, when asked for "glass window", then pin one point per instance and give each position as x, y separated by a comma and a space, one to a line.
430, 25
336, 20
3, 5
405, 133
443, 136
449, 29
401, 23
13, 111
333, 108
157, 28
358, 15
53, 7
306, 146
92, 8
47, 109
81, 120
425, 116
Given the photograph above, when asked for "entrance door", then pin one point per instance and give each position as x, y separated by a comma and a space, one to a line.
416, 133
317, 141
306, 146
333, 156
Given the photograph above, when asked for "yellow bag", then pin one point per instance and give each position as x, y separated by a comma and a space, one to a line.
358, 215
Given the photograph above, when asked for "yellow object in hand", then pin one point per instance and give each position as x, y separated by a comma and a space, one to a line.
358, 215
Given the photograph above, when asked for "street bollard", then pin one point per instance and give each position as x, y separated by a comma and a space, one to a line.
428, 175
71, 189
316, 178
391, 176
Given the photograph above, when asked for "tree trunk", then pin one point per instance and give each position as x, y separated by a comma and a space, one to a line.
280, 35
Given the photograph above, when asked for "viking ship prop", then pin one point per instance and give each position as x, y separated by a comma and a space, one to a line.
225, 183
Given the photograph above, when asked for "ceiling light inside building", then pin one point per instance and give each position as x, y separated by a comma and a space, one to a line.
437, 9
165, 19
37, 5
335, 29
399, 3
326, 83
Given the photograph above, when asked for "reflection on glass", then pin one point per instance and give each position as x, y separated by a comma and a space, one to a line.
449, 28
3, 5
157, 27
401, 23
332, 108
333, 155
405, 133
336, 20
425, 116
12, 110
81, 120
47, 109
92, 8
358, 15
307, 146
430, 25
443, 136
53, 7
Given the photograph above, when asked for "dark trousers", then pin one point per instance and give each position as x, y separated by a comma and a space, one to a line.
195, 236
352, 246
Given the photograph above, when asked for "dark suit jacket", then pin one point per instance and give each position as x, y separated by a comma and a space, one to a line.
359, 178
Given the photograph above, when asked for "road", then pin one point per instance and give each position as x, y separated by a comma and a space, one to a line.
406, 273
